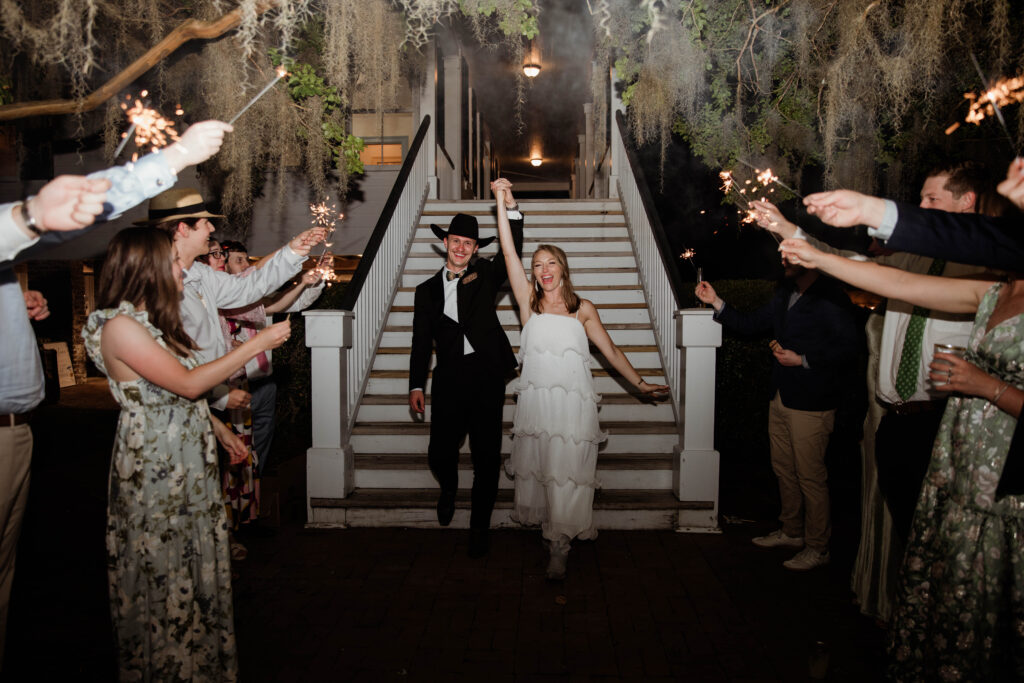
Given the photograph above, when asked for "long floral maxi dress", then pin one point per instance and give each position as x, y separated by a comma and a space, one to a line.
960, 609
168, 561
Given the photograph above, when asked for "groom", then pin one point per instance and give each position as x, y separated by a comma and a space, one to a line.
455, 315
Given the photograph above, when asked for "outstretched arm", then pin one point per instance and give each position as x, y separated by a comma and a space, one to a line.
516, 275
939, 293
130, 352
602, 340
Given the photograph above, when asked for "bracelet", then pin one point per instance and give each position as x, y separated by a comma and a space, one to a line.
30, 220
641, 382
999, 394
514, 208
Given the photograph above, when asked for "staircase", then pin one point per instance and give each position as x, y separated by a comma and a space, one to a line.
393, 485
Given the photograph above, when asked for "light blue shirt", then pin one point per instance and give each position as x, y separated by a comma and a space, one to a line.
21, 372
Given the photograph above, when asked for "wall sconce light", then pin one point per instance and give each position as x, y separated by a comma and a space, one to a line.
531, 70
536, 161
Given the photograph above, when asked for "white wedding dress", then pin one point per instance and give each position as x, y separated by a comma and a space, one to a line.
555, 429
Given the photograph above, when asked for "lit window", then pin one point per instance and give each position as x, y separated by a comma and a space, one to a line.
378, 154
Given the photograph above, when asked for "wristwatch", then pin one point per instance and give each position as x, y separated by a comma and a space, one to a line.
29, 219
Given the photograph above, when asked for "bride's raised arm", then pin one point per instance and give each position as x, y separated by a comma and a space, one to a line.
516, 275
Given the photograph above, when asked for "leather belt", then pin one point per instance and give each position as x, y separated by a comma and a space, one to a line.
915, 407
15, 419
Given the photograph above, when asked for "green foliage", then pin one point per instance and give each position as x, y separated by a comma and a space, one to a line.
6, 95
303, 83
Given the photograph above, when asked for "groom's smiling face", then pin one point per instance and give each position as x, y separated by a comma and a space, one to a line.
460, 250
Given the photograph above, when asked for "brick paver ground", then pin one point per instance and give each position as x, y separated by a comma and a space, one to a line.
404, 605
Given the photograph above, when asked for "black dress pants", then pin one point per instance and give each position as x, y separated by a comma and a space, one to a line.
466, 399
903, 450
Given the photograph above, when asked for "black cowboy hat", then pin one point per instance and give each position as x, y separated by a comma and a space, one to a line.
463, 225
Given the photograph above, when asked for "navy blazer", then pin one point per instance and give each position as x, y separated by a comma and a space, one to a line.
478, 318
821, 326
961, 237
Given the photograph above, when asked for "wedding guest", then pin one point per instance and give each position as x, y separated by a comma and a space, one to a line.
63, 209
167, 543
960, 602
240, 324
215, 257
813, 350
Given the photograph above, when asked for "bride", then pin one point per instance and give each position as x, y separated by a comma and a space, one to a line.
555, 429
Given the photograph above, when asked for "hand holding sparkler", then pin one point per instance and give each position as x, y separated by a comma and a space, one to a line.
302, 243
771, 219
1013, 187
800, 253
707, 294
68, 202
845, 208
197, 144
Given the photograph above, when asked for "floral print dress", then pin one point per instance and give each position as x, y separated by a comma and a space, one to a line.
960, 608
168, 560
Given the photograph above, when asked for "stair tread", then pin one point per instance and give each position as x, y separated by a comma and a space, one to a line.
509, 307
515, 328
612, 428
595, 372
625, 348
418, 461
607, 398
620, 499
577, 271
540, 240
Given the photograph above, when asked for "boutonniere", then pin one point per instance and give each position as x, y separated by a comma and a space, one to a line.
469, 278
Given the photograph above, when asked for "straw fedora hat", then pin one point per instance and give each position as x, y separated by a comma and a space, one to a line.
175, 204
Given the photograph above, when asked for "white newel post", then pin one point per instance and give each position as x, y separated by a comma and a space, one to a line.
696, 465
329, 462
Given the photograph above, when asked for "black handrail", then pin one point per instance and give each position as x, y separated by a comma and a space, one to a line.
355, 286
660, 238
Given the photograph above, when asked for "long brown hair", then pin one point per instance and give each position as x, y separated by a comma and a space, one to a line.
572, 300
138, 270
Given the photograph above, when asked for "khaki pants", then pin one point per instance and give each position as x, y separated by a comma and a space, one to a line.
15, 458
798, 440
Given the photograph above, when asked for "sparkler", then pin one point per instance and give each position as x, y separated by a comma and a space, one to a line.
326, 217
148, 125
990, 102
281, 72
766, 178
749, 215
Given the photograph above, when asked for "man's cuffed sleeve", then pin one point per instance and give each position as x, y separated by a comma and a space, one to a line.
134, 183
888, 224
12, 238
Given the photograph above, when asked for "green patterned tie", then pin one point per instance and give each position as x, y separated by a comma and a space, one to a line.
910, 358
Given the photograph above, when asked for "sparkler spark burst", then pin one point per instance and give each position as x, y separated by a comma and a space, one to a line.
688, 254
150, 126
326, 216
1002, 93
727, 181
766, 177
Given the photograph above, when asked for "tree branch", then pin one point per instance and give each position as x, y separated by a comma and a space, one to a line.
190, 29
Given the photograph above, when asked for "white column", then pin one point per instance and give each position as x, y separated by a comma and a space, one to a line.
478, 160
485, 190
588, 151
616, 160
581, 174
453, 120
695, 469
329, 462
426, 104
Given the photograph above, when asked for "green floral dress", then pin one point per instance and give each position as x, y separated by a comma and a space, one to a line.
168, 558
960, 608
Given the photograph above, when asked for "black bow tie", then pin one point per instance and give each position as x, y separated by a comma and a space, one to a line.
449, 275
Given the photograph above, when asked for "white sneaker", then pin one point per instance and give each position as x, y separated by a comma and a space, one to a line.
806, 559
559, 558
777, 539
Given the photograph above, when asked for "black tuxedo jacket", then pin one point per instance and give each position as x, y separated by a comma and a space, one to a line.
478, 318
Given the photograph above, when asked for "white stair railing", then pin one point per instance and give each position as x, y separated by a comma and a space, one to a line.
687, 338
343, 342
